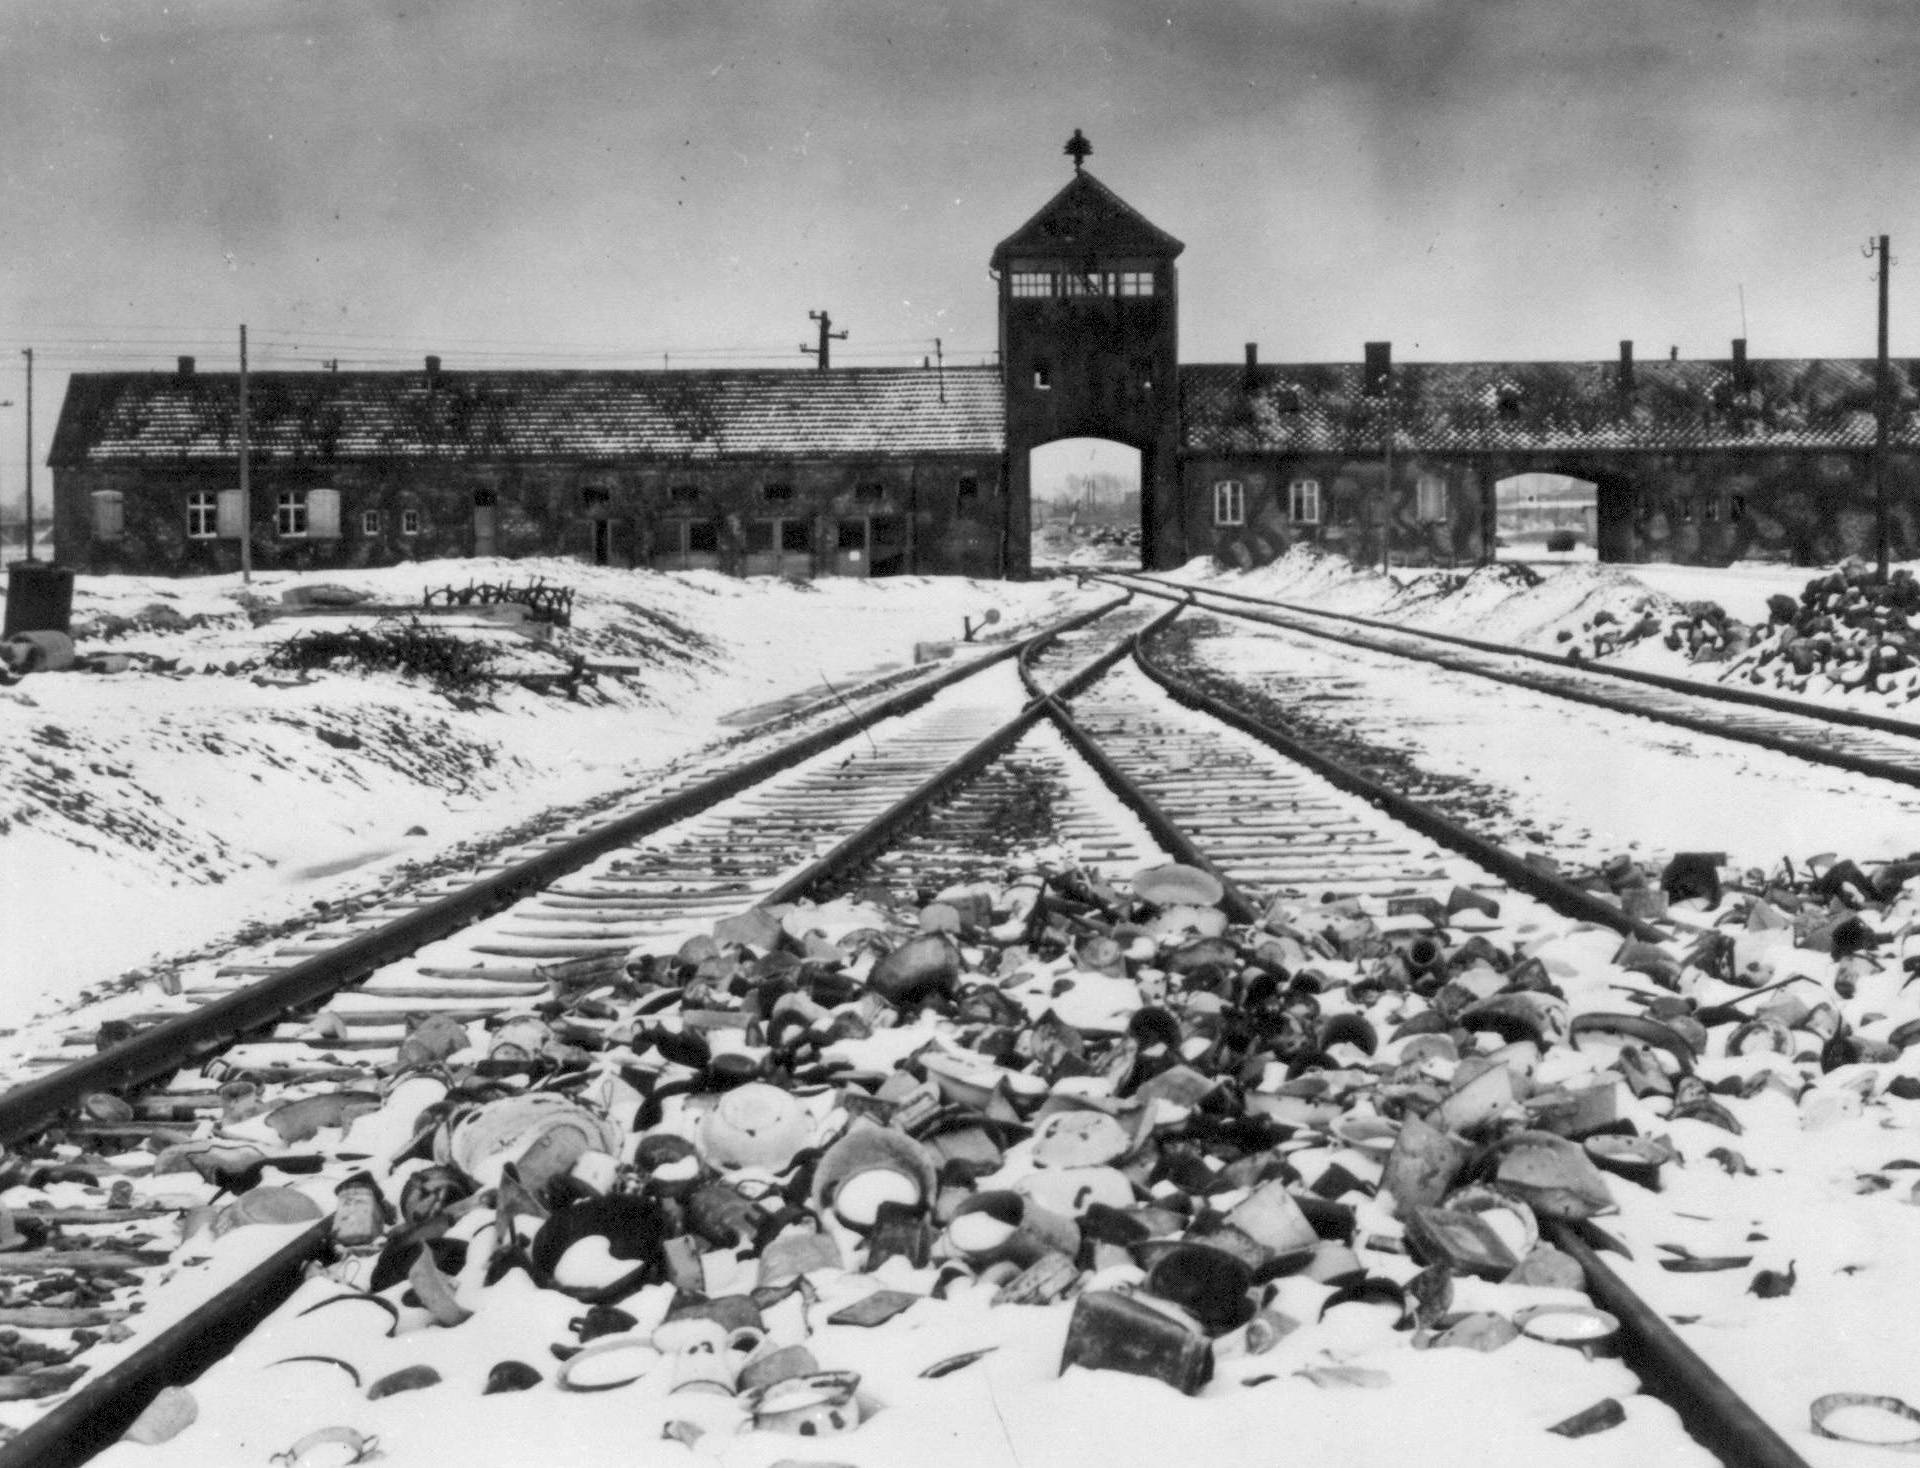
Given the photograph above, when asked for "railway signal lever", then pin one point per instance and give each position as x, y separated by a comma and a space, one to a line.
968, 626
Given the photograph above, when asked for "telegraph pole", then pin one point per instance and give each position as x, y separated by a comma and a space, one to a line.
1882, 383
827, 337
1377, 378
28, 354
246, 490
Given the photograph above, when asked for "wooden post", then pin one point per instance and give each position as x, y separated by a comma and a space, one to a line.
246, 491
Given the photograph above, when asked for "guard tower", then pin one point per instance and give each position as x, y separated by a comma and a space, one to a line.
1089, 344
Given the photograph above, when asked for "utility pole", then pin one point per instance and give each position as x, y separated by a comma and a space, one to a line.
28, 354
6, 402
1377, 378
1882, 384
246, 490
827, 337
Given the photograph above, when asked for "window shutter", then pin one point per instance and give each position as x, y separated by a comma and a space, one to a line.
323, 514
228, 524
109, 514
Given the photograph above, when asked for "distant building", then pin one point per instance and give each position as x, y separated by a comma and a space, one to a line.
872, 471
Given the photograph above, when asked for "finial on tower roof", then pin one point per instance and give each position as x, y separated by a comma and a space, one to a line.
1077, 149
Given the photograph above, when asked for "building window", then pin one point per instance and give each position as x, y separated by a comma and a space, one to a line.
1032, 283
1711, 508
684, 494
203, 509
1229, 502
1303, 501
1430, 495
596, 498
796, 535
868, 494
109, 514
1737, 507
1134, 283
1042, 376
1686, 511
290, 513
969, 487
776, 493
369, 522
409, 522
702, 536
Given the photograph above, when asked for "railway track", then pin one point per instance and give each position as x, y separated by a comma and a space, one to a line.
1846, 739
1118, 767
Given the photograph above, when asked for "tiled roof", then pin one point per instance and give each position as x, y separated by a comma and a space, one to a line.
1087, 218
159, 417
1533, 406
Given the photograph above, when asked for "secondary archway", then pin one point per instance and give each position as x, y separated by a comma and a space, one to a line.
1085, 498
1546, 517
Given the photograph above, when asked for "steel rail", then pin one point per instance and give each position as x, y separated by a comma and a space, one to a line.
95, 1416
1557, 893
872, 838
1159, 824
163, 1048
1712, 693
1714, 1413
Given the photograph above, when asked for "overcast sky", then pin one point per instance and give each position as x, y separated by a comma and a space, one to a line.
627, 182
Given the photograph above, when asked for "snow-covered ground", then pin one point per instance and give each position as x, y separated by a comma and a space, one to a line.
153, 811
148, 813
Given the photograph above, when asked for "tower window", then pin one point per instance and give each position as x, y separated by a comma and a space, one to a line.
1229, 502
1039, 283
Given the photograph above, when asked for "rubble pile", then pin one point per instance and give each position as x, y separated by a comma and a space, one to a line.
794, 1176
1700, 629
1848, 632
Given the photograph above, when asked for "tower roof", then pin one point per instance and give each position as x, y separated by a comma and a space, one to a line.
1086, 218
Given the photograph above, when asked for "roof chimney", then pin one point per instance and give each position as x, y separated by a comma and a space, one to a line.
1742, 373
184, 367
1379, 368
1625, 377
433, 371
1253, 363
